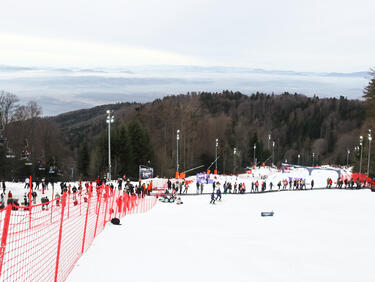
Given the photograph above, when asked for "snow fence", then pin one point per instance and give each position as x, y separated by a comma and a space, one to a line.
43, 242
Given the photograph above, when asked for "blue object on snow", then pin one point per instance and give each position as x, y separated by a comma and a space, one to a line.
266, 213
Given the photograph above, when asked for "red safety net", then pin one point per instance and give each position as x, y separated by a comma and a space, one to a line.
43, 242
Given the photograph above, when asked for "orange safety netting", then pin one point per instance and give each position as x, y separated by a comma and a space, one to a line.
43, 242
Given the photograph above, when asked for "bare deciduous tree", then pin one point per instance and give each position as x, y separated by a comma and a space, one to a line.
8, 107
29, 111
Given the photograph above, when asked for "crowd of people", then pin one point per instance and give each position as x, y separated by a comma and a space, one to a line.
38, 190
175, 187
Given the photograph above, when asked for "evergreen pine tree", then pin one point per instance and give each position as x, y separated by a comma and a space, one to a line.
83, 160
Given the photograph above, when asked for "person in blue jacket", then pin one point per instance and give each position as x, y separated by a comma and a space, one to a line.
212, 198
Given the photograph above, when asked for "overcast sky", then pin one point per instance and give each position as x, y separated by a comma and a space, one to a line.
290, 34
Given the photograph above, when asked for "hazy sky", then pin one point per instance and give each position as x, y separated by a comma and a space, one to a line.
290, 34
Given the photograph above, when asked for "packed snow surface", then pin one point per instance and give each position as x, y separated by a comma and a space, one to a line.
318, 235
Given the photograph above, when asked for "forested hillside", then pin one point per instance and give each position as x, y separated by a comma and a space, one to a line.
75, 144
298, 125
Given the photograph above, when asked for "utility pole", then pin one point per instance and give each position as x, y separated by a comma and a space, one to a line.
269, 140
347, 157
110, 119
369, 152
273, 152
217, 144
299, 156
234, 160
255, 146
178, 138
360, 144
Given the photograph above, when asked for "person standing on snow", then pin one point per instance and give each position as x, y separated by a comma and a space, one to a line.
218, 195
27, 183
169, 183
212, 198
197, 184
312, 184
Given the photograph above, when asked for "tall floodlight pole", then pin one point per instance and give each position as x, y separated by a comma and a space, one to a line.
255, 146
360, 161
347, 157
110, 119
273, 152
369, 152
313, 159
269, 140
299, 156
234, 160
178, 138
217, 144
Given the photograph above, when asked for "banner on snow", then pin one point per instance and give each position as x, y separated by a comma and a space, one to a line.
146, 172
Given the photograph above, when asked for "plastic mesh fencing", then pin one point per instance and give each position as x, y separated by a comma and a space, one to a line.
43, 242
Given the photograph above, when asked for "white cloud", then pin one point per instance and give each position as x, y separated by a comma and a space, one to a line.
17, 49
302, 35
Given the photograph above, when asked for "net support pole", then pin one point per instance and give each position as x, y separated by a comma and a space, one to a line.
5, 235
60, 236
98, 213
85, 229
53, 193
106, 206
30, 194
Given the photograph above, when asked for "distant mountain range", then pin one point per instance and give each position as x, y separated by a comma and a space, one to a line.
60, 90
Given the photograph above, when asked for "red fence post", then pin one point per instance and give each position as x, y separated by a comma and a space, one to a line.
53, 193
68, 201
60, 235
111, 213
5, 235
30, 185
106, 206
87, 214
98, 213
80, 200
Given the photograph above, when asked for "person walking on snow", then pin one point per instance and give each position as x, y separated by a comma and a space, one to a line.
212, 198
218, 195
